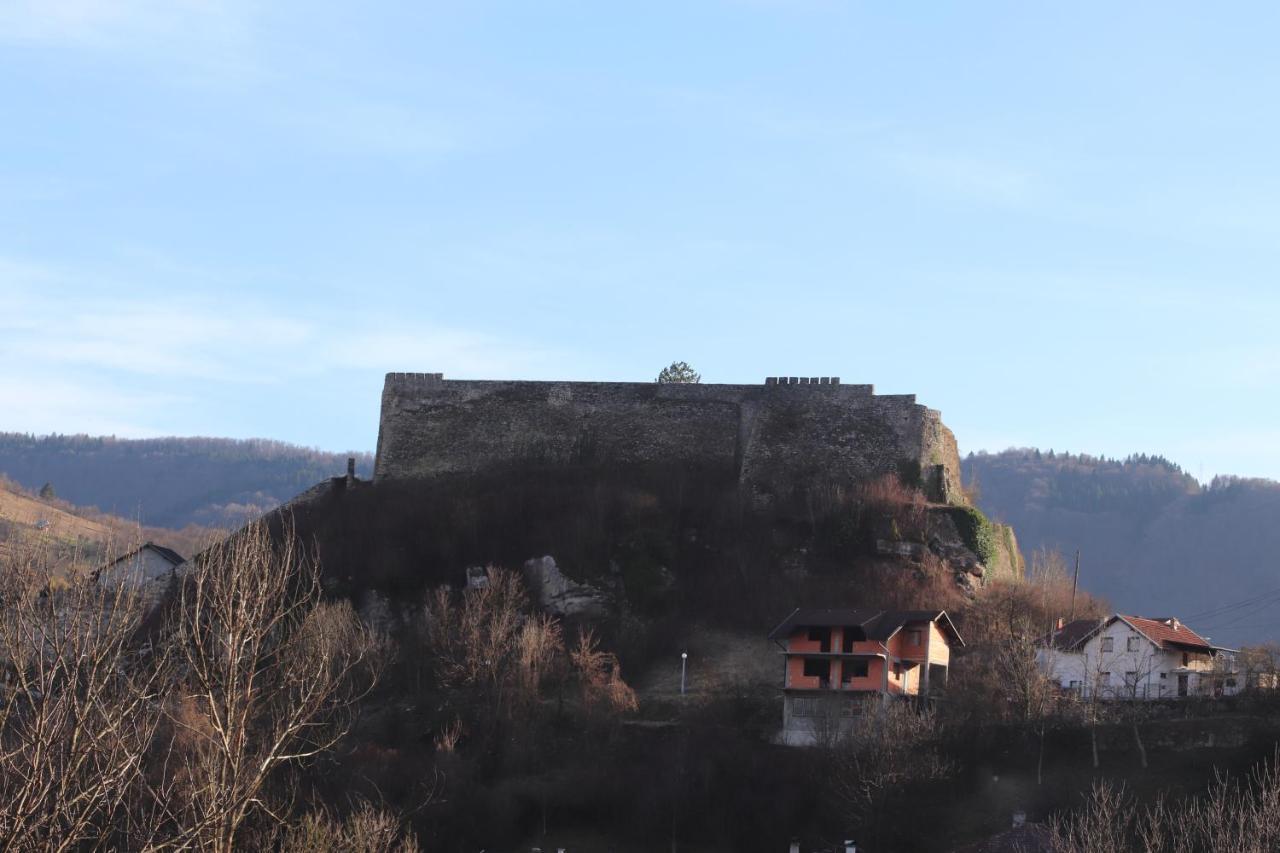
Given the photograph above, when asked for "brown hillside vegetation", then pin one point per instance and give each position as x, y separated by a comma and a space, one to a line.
78, 538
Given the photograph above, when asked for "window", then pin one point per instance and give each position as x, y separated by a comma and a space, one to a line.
1134, 643
817, 668
1186, 658
1074, 687
804, 706
1104, 678
1131, 680
822, 636
855, 669
1108, 644
915, 637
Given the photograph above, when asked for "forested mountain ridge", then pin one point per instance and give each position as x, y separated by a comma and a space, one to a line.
171, 482
1152, 539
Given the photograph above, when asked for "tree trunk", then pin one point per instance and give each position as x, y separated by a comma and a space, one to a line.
1142, 750
1093, 739
1040, 761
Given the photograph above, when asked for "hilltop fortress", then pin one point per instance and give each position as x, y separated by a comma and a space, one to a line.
784, 432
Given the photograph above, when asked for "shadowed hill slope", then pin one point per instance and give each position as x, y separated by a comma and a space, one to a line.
1152, 540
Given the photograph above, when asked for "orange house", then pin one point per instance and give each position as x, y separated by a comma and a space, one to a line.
838, 660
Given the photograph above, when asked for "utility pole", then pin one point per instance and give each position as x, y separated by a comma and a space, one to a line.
1074, 582
684, 662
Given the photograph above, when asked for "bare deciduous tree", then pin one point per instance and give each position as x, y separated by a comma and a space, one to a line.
271, 676
1240, 817
473, 640
885, 748
600, 676
79, 706
366, 830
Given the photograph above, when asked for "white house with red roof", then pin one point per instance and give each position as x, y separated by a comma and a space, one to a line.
1136, 657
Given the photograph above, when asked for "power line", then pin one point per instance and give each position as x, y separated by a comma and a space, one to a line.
1225, 608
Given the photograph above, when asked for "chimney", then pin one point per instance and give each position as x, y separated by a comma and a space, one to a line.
351, 470
1019, 820
1062, 623
850, 847
795, 846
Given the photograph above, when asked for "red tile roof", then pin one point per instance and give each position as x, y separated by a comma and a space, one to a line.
1163, 633
1158, 630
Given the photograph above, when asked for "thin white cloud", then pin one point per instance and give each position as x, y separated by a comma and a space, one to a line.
116, 23
431, 348
205, 39
58, 325
979, 178
33, 401
374, 128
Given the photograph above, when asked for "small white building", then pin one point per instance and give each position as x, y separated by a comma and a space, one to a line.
147, 569
1135, 657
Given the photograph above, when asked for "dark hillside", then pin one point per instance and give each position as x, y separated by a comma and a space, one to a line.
1152, 540
653, 540
170, 482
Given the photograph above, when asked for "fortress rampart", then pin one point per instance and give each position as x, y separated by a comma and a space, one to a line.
786, 431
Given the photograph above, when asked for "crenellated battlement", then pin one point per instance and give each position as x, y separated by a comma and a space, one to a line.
772, 435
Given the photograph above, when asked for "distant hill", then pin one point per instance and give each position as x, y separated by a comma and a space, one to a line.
171, 482
1152, 539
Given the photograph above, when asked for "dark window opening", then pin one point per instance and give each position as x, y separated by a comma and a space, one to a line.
817, 669
855, 669
915, 637
821, 636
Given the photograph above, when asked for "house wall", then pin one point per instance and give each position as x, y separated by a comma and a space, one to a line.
1156, 669
797, 680
939, 646
811, 719
143, 567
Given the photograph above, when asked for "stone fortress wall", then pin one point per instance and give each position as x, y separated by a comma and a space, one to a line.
786, 431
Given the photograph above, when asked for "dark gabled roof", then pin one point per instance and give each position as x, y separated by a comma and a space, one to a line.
169, 554
1074, 633
809, 617
876, 624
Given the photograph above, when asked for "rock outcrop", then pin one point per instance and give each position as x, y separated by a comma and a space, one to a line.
562, 596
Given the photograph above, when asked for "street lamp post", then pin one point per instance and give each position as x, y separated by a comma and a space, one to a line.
684, 663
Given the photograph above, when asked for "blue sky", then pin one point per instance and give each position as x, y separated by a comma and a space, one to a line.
1058, 225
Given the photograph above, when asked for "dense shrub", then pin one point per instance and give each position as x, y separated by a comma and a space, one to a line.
976, 530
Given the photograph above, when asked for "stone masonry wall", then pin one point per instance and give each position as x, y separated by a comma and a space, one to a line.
771, 435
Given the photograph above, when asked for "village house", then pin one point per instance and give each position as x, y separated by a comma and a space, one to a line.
141, 566
1134, 657
837, 661
146, 571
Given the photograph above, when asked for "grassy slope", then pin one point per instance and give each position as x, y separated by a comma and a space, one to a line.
78, 538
